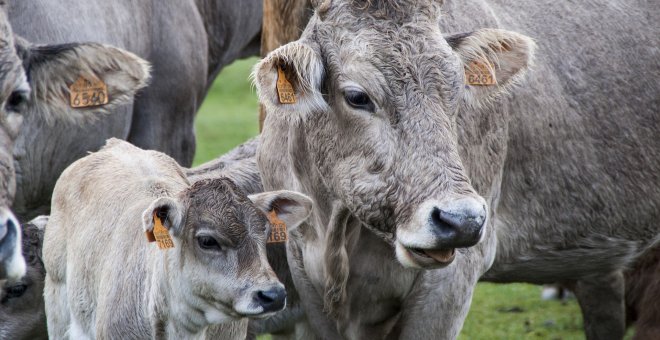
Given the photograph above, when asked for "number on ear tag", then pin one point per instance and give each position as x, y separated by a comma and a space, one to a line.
278, 231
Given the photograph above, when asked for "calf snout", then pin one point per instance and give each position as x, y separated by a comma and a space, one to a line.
272, 299
458, 223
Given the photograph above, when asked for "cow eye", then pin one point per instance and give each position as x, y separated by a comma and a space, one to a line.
208, 243
359, 100
15, 291
17, 101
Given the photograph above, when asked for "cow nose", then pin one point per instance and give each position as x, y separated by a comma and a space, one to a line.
271, 300
458, 223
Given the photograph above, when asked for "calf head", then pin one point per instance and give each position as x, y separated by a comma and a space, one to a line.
219, 263
378, 89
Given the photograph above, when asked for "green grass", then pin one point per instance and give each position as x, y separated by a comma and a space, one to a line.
228, 117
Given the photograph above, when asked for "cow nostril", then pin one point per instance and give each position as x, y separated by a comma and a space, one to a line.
265, 297
458, 223
272, 299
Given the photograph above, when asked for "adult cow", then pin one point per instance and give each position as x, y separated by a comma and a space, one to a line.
188, 42
393, 146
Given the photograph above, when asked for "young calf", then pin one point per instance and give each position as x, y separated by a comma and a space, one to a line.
104, 280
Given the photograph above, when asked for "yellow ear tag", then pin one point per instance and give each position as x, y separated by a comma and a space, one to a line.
160, 235
480, 74
278, 231
284, 88
88, 91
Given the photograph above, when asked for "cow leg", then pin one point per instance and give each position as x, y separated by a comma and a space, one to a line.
602, 302
58, 315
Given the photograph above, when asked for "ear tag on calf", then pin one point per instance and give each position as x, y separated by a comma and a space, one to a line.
284, 88
160, 235
278, 231
480, 74
88, 91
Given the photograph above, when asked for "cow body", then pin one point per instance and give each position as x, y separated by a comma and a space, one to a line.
188, 42
151, 294
567, 163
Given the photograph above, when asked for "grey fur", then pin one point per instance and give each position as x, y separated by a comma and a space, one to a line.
568, 162
187, 41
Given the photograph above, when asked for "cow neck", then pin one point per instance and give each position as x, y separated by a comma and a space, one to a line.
178, 317
229, 31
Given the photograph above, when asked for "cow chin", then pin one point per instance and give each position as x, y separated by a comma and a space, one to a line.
424, 259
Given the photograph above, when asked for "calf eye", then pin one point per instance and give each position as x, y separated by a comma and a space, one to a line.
208, 243
17, 101
359, 100
15, 291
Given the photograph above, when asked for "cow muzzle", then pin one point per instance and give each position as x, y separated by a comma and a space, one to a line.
12, 264
437, 229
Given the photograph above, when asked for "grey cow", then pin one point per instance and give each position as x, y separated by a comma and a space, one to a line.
35, 105
124, 287
187, 42
425, 178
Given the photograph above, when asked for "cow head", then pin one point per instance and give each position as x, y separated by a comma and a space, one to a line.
35, 90
219, 263
378, 90
14, 91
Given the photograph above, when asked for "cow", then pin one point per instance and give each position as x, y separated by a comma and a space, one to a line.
216, 274
430, 170
22, 315
188, 42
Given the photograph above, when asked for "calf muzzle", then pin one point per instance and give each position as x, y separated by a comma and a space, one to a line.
272, 299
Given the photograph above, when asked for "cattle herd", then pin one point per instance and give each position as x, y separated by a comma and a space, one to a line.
409, 149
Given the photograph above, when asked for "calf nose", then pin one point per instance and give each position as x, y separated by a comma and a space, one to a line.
458, 224
271, 300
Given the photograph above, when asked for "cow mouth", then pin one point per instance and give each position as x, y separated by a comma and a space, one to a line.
433, 257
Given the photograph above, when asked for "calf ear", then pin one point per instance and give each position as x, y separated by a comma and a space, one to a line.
291, 207
169, 211
297, 64
493, 60
52, 69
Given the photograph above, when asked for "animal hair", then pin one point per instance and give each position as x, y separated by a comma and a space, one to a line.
336, 261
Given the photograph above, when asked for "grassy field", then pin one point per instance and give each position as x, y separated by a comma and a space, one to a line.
515, 311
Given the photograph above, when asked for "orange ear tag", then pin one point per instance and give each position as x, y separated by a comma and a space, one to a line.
278, 231
88, 91
160, 235
479, 74
284, 88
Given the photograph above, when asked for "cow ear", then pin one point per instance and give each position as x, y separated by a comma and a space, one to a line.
289, 79
493, 60
169, 211
53, 69
291, 207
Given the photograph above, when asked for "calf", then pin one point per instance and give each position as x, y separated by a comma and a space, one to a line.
123, 286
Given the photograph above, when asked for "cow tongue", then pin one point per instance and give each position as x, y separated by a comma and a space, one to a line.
443, 255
